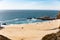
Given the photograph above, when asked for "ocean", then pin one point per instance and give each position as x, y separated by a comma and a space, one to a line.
20, 16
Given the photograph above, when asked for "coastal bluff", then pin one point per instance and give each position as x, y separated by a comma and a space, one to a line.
32, 31
58, 16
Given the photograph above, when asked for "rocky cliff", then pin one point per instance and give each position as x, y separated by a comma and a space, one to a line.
58, 16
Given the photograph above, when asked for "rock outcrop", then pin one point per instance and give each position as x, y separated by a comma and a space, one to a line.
46, 18
4, 38
58, 16
53, 36
50, 37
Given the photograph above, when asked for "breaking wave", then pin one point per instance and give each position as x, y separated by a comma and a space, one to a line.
19, 21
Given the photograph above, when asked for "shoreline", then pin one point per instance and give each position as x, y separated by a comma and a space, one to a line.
37, 22
32, 31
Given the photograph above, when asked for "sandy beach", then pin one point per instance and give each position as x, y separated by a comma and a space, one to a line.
32, 31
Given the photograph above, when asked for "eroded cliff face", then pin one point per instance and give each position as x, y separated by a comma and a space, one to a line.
4, 38
52, 36
58, 16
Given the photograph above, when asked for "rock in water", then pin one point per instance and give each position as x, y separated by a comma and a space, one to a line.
4, 38
4, 24
1, 28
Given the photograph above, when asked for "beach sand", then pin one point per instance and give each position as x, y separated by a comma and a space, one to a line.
33, 31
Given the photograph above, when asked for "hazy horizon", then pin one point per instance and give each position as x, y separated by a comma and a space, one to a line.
29, 4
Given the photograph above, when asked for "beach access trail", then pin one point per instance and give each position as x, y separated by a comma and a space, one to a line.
32, 31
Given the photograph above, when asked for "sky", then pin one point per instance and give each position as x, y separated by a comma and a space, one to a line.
30, 4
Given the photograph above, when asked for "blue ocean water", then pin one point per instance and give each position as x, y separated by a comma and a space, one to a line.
19, 16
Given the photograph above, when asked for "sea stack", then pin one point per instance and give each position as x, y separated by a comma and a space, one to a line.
58, 16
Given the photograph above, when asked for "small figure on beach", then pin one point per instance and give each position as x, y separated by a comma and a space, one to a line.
22, 27
22, 39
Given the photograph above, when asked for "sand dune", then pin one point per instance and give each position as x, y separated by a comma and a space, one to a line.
33, 31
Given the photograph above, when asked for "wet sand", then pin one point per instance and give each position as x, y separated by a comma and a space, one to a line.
33, 31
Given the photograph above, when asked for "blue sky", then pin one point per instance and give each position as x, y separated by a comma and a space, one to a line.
30, 4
